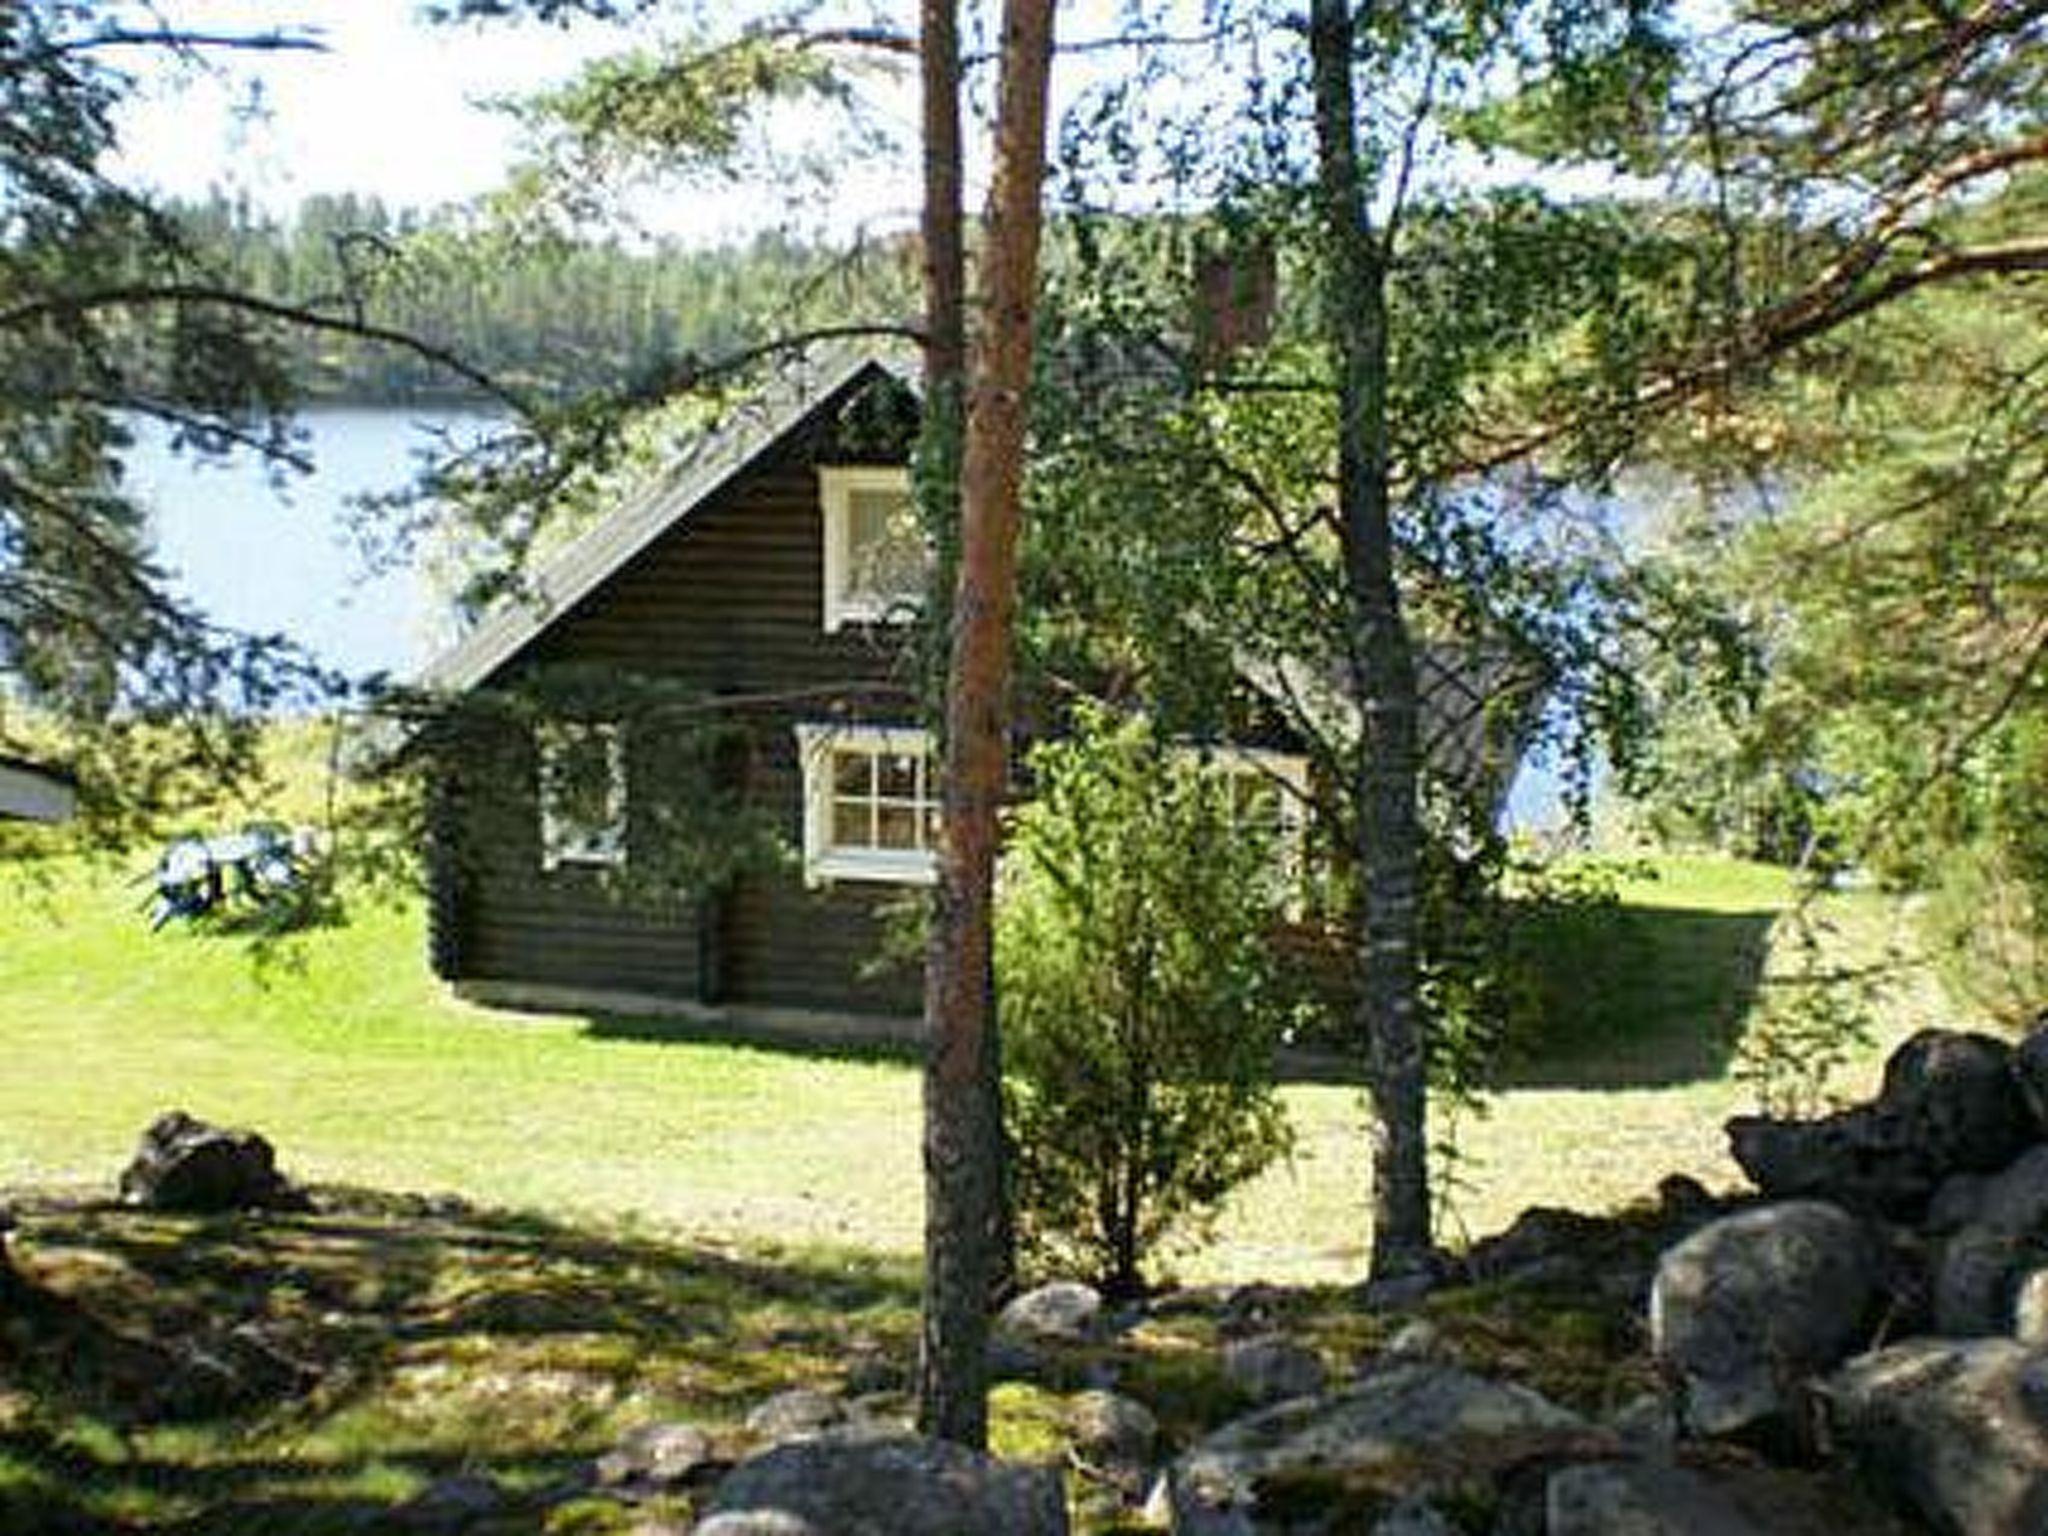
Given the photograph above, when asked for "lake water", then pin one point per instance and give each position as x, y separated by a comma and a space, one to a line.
271, 559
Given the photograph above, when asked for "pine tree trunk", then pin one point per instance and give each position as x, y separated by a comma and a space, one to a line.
964, 1220
1382, 666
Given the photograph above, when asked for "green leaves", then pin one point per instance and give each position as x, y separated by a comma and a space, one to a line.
1141, 1004
682, 106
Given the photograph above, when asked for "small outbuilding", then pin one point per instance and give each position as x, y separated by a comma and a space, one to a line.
32, 792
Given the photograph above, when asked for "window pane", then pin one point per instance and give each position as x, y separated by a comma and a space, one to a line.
852, 772
1257, 800
898, 826
898, 775
852, 824
885, 551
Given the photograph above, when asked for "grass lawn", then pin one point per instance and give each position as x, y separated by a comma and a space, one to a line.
362, 1070
661, 1228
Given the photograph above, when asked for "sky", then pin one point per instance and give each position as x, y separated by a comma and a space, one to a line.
394, 106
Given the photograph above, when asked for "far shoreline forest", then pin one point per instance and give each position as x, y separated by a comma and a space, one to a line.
548, 314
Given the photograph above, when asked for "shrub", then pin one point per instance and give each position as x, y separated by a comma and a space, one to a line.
1140, 1003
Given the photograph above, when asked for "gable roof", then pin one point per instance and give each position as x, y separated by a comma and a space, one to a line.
29, 792
1477, 708
810, 385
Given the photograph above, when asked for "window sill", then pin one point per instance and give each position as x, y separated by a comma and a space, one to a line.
583, 859
891, 869
896, 614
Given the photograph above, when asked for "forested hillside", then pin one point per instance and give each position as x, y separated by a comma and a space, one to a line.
536, 313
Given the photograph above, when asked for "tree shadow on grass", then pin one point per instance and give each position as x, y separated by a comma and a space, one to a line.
1640, 997
824, 1038
1621, 997
1610, 997
426, 1337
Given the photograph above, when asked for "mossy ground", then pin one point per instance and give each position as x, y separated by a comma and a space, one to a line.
437, 1338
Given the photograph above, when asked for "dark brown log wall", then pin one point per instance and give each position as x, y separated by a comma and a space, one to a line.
730, 603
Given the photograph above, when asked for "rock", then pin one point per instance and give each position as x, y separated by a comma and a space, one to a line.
1973, 1282
1063, 1312
2030, 1308
1955, 1427
1540, 1235
1981, 1265
449, 1504
1413, 1517
1681, 1197
1421, 1339
1394, 1292
657, 1458
1955, 1204
757, 1522
801, 1414
1962, 1091
206, 1377
1753, 1302
1648, 1422
869, 1371
1407, 1432
1251, 1309
1271, 1367
893, 1487
1110, 1430
1950, 1104
2030, 1071
183, 1164
1639, 1498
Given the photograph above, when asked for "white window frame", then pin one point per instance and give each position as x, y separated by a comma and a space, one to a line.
1288, 773
823, 860
837, 484
602, 846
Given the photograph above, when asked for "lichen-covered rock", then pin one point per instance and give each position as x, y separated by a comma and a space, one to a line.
1108, 1429
1640, 1498
183, 1164
1062, 1312
1755, 1301
1950, 1103
804, 1414
1406, 1432
1956, 1427
658, 1457
1272, 1367
892, 1487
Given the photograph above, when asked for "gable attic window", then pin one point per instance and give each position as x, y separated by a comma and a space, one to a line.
871, 803
1269, 791
582, 795
875, 554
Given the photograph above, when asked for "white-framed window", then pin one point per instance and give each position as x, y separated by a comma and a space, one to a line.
876, 559
1268, 790
582, 794
871, 803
